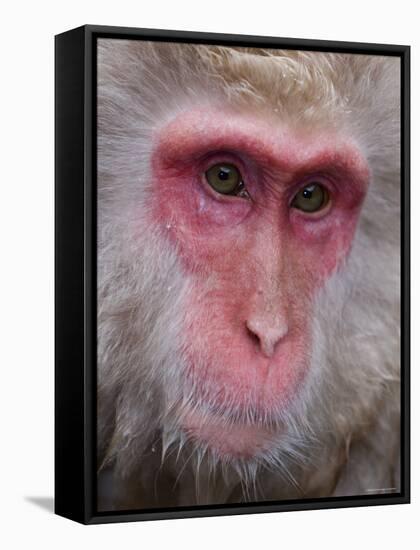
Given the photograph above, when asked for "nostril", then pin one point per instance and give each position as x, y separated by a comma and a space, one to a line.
253, 336
259, 336
267, 334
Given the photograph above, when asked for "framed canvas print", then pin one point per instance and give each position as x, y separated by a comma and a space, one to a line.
232, 287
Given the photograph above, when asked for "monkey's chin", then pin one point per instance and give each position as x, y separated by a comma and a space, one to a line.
225, 440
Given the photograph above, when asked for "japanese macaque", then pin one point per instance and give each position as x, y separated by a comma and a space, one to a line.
248, 274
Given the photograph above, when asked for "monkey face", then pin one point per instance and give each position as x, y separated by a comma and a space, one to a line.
262, 215
248, 272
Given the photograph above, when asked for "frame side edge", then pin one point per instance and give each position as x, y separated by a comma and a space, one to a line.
69, 275
405, 247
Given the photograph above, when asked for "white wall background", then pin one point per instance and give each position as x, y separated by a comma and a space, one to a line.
26, 272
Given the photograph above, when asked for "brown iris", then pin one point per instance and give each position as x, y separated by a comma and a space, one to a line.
225, 178
311, 198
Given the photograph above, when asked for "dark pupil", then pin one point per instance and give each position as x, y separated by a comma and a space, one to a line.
307, 193
224, 174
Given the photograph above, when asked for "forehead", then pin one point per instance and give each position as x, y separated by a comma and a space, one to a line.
314, 86
268, 141
142, 86
304, 89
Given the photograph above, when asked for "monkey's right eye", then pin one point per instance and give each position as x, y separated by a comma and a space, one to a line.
226, 179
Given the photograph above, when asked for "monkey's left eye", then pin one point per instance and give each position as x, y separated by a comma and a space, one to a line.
312, 198
226, 179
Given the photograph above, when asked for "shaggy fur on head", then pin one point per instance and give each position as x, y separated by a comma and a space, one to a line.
343, 426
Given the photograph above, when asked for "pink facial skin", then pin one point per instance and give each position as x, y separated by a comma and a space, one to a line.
256, 264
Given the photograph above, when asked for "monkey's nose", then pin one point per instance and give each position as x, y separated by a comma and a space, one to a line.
267, 332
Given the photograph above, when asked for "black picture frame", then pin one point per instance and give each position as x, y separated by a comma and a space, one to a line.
75, 292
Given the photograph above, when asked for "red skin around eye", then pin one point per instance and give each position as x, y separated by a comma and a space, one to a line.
257, 264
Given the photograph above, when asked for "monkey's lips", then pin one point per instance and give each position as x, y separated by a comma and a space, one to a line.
235, 440
231, 417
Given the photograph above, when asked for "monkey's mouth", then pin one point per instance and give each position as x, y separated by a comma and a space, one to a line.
227, 439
